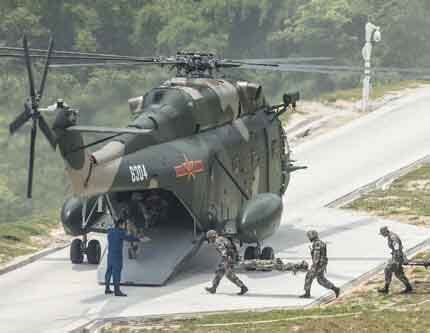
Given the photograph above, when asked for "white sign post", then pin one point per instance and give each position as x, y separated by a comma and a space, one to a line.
373, 34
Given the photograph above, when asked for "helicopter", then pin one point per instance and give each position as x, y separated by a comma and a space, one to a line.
202, 152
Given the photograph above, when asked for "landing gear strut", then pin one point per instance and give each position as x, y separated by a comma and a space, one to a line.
80, 247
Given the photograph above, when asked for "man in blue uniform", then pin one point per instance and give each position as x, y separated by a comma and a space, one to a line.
116, 237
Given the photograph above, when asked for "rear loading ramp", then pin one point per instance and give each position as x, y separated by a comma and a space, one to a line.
159, 258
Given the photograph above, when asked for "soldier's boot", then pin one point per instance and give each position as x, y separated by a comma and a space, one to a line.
118, 292
384, 290
408, 289
243, 290
307, 294
211, 290
336, 291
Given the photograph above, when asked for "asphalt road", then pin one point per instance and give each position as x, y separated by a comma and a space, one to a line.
52, 295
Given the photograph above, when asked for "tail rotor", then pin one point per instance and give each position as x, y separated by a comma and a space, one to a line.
31, 112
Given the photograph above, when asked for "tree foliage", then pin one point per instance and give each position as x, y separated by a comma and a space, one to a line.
231, 28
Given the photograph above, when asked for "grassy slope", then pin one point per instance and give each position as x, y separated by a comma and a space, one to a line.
24, 237
378, 91
362, 310
407, 199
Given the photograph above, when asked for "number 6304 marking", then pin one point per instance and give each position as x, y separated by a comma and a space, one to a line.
138, 173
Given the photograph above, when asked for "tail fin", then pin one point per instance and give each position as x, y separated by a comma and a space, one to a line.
70, 144
90, 174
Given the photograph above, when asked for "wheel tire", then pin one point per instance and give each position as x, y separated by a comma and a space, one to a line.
94, 252
251, 253
268, 253
76, 253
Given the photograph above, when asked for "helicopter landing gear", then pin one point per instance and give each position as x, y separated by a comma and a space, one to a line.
251, 253
79, 248
76, 252
94, 252
254, 252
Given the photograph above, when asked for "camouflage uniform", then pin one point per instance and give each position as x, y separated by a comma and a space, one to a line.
228, 253
319, 266
396, 264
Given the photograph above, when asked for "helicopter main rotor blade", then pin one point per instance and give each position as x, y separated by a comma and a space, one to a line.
71, 53
106, 64
94, 57
285, 60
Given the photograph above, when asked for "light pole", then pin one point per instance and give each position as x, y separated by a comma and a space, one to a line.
373, 34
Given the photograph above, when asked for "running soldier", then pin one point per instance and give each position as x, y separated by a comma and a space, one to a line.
228, 252
396, 263
319, 266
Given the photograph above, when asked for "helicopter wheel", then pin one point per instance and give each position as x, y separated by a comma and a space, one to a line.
76, 252
94, 252
267, 254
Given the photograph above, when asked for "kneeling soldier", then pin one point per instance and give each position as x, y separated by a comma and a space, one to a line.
228, 251
319, 266
396, 264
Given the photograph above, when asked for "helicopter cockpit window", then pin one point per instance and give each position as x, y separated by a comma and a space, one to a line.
162, 96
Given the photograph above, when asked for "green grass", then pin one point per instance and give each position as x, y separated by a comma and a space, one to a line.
18, 238
407, 198
378, 90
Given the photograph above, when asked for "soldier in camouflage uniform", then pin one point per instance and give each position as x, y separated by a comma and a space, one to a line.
319, 266
396, 263
228, 253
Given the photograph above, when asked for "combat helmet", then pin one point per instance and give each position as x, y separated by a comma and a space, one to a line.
211, 234
312, 235
384, 231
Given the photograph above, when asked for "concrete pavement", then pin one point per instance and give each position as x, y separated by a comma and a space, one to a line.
51, 295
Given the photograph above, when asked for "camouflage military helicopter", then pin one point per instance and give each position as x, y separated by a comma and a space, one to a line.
201, 152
